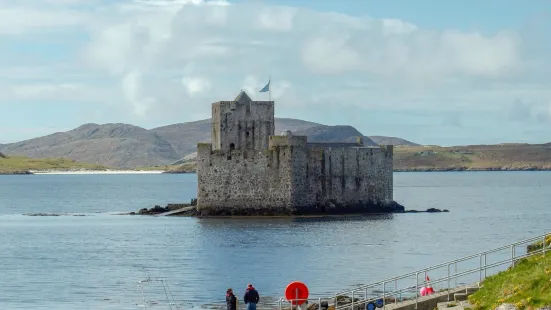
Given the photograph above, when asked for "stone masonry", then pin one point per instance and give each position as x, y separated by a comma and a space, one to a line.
248, 170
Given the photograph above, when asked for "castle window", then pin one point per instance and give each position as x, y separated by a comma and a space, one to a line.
247, 133
232, 146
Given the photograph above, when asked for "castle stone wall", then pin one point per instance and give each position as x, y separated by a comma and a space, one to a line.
242, 125
342, 176
244, 179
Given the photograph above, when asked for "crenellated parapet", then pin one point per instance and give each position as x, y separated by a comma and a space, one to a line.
287, 140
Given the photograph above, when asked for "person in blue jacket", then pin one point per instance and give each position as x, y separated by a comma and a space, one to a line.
251, 297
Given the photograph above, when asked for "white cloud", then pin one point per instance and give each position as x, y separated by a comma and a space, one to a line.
18, 19
195, 85
180, 55
42, 91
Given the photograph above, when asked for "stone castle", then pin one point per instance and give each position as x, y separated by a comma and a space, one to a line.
248, 170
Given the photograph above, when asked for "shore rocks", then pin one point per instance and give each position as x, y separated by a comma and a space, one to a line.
259, 212
329, 208
170, 207
21, 172
52, 214
42, 214
429, 210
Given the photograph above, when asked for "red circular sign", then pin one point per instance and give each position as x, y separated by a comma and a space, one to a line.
296, 293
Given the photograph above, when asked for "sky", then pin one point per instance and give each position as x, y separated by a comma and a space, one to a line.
432, 72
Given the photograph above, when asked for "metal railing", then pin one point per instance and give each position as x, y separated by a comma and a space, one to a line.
143, 303
401, 288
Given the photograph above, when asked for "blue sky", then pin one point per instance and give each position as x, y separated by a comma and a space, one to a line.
433, 72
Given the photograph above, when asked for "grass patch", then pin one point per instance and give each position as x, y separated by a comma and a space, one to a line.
183, 168
537, 245
17, 164
153, 168
527, 285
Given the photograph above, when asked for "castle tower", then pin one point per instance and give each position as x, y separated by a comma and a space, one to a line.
242, 124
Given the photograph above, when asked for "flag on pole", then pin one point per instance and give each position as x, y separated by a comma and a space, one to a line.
266, 88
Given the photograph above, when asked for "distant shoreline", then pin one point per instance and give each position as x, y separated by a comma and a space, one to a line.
82, 172
469, 169
119, 172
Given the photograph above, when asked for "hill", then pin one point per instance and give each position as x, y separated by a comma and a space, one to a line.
474, 157
127, 146
117, 145
322, 133
382, 140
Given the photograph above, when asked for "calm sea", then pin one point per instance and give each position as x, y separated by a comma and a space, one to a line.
94, 261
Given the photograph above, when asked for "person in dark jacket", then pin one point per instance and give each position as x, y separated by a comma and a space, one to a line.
251, 297
231, 300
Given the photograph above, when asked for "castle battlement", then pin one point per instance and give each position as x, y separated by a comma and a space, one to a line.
287, 140
247, 167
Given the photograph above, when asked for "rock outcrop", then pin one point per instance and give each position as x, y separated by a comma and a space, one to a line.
327, 209
170, 207
429, 210
18, 172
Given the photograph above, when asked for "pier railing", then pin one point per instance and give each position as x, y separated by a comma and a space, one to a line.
449, 276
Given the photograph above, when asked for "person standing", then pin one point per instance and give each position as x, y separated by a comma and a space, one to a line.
231, 300
251, 297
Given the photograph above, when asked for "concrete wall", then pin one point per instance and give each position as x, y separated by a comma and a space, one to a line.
242, 125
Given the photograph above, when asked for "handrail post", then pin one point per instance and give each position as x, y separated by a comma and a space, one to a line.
480, 268
396, 289
485, 266
319, 303
543, 245
352, 300
365, 303
512, 256
384, 294
449, 282
280, 303
455, 272
416, 289
336, 302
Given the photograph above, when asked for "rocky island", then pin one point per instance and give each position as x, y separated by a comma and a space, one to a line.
247, 170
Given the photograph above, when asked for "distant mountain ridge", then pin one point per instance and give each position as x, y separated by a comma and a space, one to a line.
128, 146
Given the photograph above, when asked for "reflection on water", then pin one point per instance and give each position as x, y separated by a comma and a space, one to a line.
95, 261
